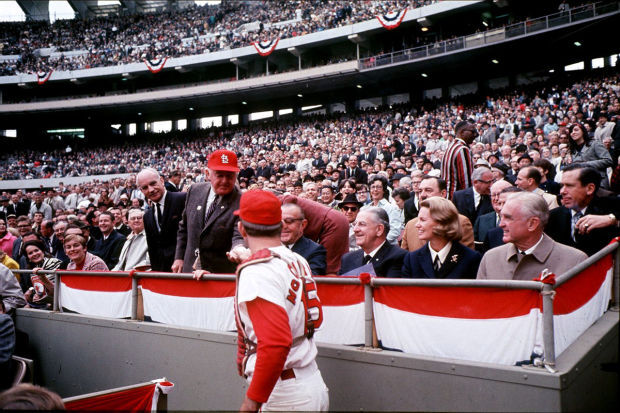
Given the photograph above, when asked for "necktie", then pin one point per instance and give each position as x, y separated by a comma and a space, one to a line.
211, 208
367, 259
159, 217
574, 220
436, 264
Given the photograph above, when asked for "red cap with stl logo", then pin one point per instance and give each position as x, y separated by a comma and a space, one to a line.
259, 207
223, 160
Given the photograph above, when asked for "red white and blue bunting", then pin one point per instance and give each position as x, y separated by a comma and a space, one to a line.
43, 77
155, 66
266, 48
393, 19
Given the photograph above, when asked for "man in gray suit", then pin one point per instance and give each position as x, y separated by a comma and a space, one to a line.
528, 251
208, 238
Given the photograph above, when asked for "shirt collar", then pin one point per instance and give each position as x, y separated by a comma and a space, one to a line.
374, 252
442, 253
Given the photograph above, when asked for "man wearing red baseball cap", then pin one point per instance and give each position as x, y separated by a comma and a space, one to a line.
208, 233
276, 351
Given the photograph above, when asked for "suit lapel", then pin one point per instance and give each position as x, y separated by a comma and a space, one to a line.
451, 261
426, 262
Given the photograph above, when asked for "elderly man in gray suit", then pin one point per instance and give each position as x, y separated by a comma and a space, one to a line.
208, 239
528, 251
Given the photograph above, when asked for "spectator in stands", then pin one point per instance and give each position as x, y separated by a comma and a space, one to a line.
52, 244
328, 196
6, 238
39, 206
108, 248
352, 171
371, 228
81, 259
528, 251
119, 225
379, 198
586, 152
604, 127
456, 165
210, 238
350, 207
80, 228
485, 222
495, 236
443, 256
547, 172
413, 203
10, 292
134, 254
59, 232
433, 186
311, 191
161, 221
529, 179
292, 236
173, 182
7, 347
584, 221
42, 291
475, 200
8, 262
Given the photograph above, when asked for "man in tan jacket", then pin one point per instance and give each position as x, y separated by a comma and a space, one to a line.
433, 186
528, 251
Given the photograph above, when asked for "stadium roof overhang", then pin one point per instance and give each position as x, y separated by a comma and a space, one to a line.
531, 54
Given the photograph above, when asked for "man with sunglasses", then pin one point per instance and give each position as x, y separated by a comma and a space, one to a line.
350, 207
292, 236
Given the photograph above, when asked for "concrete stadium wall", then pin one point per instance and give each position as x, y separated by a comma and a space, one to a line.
76, 354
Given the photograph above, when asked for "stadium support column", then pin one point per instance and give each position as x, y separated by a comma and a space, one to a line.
351, 105
140, 128
244, 119
175, 125
193, 124
35, 9
125, 129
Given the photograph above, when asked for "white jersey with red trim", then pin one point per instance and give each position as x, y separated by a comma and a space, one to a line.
279, 281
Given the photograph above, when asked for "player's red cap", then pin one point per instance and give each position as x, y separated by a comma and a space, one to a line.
259, 207
223, 160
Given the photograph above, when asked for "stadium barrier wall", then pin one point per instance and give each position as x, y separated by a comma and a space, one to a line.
502, 322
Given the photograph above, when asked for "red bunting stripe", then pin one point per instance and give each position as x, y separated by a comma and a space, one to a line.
580, 289
265, 49
190, 288
155, 66
97, 283
43, 77
457, 302
131, 400
339, 295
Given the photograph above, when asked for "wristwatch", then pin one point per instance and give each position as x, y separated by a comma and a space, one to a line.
614, 220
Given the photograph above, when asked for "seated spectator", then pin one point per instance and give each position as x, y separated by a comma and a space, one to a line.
442, 256
326, 226
433, 186
6, 238
379, 198
495, 236
108, 248
24, 226
134, 254
38, 288
81, 259
292, 236
490, 220
529, 179
475, 200
528, 251
10, 292
328, 196
588, 152
350, 207
7, 261
371, 228
7, 347
584, 221
547, 171
80, 228
401, 195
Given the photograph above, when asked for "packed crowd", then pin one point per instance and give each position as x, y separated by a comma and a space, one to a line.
110, 41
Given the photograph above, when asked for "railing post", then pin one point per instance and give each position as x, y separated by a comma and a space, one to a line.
56, 303
616, 281
368, 315
134, 297
548, 334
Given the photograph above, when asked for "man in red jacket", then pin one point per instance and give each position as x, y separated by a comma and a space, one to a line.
276, 310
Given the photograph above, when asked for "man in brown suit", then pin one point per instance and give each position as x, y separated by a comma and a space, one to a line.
528, 251
433, 186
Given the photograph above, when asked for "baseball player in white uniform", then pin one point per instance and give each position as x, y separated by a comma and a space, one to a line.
276, 309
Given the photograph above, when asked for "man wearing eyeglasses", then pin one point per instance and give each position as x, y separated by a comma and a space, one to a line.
456, 165
350, 207
476, 200
292, 236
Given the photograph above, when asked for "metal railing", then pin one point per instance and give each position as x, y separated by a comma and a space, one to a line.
491, 36
546, 290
